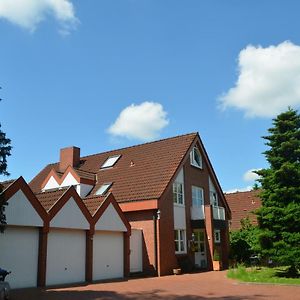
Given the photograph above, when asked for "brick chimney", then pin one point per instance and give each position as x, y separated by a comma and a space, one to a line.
69, 156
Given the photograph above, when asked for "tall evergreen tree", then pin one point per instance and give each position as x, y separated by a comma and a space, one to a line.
5, 149
279, 216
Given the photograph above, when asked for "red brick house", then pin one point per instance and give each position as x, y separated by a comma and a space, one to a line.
167, 190
242, 205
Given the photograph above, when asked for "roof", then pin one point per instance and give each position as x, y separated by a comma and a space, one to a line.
93, 203
242, 205
50, 197
7, 183
142, 172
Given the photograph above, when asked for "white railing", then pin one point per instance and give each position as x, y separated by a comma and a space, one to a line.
218, 213
197, 212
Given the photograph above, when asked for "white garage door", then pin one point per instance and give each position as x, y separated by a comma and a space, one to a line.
19, 254
65, 256
136, 251
108, 252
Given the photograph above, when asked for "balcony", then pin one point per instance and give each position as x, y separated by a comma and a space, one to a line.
197, 212
218, 213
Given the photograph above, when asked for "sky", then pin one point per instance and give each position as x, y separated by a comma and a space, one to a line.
106, 74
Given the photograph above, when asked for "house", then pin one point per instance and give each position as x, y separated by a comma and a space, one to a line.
243, 205
53, 237
167, 190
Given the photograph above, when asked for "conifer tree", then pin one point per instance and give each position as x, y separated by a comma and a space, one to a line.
279, 216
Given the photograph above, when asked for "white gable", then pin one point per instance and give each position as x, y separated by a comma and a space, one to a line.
19, 211
69, 180
70, 216
51, 184
110, 220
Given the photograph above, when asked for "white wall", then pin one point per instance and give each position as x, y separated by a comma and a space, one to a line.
19, 254
51, 184
19, 211
108, 260
65, 256
70, 216
69, 180
110, 220
179, 210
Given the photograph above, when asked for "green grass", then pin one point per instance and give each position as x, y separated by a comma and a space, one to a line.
261, 275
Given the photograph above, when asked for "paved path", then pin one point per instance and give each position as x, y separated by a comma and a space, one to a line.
200, 286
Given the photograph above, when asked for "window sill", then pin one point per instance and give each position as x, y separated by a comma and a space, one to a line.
178, 204
196, 166
180, 252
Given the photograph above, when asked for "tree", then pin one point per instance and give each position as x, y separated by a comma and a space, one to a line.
279, 216
5, 149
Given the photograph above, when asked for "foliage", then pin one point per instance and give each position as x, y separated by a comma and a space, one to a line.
267, 275
244, 242
5, 149
279, 216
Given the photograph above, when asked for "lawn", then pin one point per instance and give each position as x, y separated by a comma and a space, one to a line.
264, 275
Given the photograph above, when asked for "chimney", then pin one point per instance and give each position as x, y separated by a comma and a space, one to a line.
69, 156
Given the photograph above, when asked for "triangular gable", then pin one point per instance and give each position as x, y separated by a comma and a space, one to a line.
23, 207
70, 212
51, 184
69, 180
109, 216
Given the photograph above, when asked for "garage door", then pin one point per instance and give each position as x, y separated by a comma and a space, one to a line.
136, 251
65, 256
19, 254
108, 255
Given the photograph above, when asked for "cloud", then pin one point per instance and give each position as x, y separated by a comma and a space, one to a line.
268, 80
250, 176
142, 121
29, 13
243, 189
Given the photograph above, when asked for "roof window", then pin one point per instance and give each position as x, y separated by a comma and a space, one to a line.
110, 161
103, 189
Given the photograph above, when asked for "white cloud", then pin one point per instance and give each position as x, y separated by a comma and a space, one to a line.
142, 121
268, 81
243, 189
250, 176
29, 13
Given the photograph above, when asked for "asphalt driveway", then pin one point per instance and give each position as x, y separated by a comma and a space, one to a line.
208, 285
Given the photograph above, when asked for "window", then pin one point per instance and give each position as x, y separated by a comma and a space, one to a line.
178, 193
180, 244
197, 196
213, 198
217, 234
110, 161
103, 189
196, 159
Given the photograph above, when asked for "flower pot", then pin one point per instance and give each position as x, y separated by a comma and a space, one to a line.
216, 265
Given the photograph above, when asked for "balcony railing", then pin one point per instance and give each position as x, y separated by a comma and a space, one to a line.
218, 213
197, 212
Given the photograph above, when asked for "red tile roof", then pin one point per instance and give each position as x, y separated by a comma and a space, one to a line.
7, 183
242, 205
142, 172
93, 203
50, 197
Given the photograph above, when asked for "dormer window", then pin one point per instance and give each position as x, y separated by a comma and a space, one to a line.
110, 162
196, 159
103, 189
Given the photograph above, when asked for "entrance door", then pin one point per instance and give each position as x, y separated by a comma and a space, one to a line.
136, 251
200, 252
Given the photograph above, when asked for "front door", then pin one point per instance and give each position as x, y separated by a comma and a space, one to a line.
200, 253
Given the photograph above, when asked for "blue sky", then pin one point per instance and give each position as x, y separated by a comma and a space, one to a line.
108, 74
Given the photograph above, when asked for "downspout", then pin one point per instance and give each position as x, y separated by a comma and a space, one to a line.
155, 242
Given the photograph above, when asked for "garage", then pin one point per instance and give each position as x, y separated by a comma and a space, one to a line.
108, 251
19, 254
65, 257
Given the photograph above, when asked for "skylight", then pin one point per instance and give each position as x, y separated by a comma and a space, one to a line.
103, 189
110, 161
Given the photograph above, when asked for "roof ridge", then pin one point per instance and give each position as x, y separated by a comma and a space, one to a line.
138, 145
53, 190
239, 192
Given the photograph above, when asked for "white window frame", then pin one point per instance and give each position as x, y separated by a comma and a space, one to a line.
102, 190
193, 159
217, 236
110, 161
177, 195
180, 241
214, 198
197, 202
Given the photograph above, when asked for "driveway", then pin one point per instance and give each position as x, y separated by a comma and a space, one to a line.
208, 285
